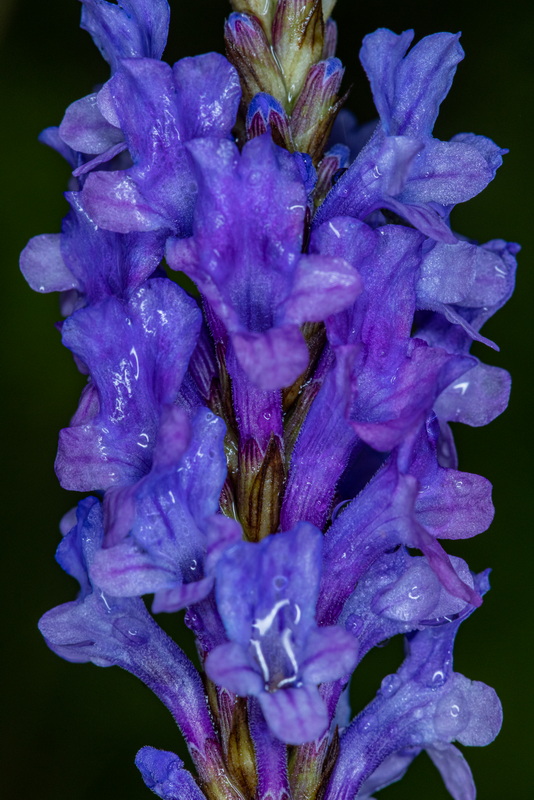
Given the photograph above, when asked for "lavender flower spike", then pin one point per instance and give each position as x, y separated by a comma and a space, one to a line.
270, 449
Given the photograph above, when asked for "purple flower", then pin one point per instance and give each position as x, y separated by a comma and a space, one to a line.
425, 704
414, 504
111, 631
488, 272
398, 594
391, 378
95, 627
276, 651
246, 256
134, 29
86, 259
164, 534
136, 353
158, 109
403, 168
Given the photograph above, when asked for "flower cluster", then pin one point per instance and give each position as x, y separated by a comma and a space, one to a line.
274, 454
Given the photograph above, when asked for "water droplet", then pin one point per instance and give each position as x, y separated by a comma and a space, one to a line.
354, 624
192, 621
279, 581
451, 715
267, 415
143, 440
438, 678
390, 685
130, 631
367, 724
412, 597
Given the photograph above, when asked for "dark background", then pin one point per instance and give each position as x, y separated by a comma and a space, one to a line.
72, 730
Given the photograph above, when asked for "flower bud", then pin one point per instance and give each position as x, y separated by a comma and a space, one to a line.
317, 106
337, 158
241, 759
265, 113
298, 33
250, 53
259, 487
330, 39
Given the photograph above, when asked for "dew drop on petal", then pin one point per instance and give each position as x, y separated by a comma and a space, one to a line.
279, 581
130, 631
354, 624
451, 715
390, 685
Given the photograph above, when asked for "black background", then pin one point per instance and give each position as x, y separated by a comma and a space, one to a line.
72, 730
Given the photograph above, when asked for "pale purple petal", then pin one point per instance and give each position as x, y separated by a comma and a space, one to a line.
455, 771
447, 274
295, 716
164, 773
485, 715
476, 397
85, 129
125, 571
447, 173
43, 266
230, 665
132, 28
208, 94
408, 91
272, 359
321, 287
332, 654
